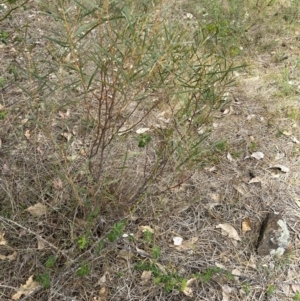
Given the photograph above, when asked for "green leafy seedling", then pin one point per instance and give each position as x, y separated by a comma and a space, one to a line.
116, 231
144, 139
246, 288
297, 296
43, 279
82, 242
3, 114
50, 262
84, 270
271, 290
148, 236
4, 37
156, 252
2, 82
100, 246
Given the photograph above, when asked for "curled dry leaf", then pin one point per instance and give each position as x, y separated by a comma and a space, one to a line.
229, 157
241, 189
101, 280
297, 201
146, 276
102, 295
10, 257
146, 228
226, 291
187, 244
246, 225
26, 289
27, 134
41, 243
187, 290
210, 169
124, 254
295, 140
295, 287
236, 273
142, 130
217, 197
72, 157
286, 133
220, 265
257, 155
57, 184
67, 135
3, 241
226, 111
228, 230
255, 180
281, 168
142, 252
279, 156
124, 130
37, 210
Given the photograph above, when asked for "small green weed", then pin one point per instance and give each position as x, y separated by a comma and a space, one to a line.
3, 114
156, 252
297, 296
50, 262
2, 82
43, 279
208, 274
84, 270
148, 236
271, 290
221, 146
236, 154
279, 134
169, 281
253, 146
116, 231
246, 288
4, 37
83, 242
101, 245
143, 140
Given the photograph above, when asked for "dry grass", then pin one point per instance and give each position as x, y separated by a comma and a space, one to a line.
46, 157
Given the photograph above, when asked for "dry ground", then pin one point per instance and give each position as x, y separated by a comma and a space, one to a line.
264, 116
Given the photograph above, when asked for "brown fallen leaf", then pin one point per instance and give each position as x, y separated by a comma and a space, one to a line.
124, 254
187, 289
26, 289
295, 288
27, 134
3, 241
246, 225
281, 168
228, 230
146, 228
255, 180
67, 135
41, 243
102, 295
37, 210
146, 276
187, 244
257, 155
10, 257
226, 291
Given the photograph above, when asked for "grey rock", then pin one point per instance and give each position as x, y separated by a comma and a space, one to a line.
274, 236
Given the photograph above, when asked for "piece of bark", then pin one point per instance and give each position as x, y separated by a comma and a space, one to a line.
274, 236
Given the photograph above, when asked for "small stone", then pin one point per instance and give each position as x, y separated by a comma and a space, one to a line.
274, 236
